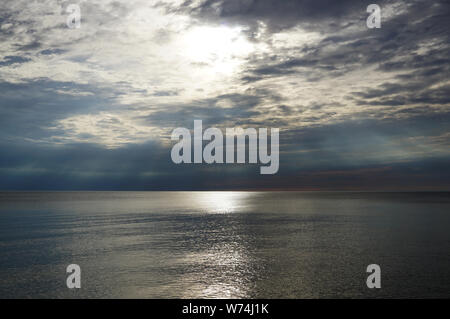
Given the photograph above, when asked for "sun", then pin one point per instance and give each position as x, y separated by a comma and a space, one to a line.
220, 48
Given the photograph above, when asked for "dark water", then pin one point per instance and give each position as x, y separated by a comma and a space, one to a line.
224, 245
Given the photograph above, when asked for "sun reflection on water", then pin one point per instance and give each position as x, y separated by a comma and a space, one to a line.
226, 272
221, 202
221, 264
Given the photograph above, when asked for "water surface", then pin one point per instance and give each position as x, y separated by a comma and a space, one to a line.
224, 244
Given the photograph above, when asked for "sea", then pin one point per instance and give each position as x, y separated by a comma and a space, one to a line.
200, 245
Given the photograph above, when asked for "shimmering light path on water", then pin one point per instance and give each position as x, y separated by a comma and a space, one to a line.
224, 244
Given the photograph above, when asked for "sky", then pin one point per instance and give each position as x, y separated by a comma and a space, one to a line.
93, 108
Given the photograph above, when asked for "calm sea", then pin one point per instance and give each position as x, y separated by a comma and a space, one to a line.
224, 244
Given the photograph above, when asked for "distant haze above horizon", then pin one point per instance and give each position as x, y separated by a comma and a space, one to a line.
93, 108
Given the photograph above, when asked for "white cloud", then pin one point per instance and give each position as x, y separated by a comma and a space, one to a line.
139, 51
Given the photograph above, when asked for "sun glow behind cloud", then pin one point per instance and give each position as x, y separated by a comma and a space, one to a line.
221, 49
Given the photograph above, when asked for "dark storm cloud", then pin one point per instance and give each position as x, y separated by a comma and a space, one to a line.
166, 93
148, 166
367, 142
438, 96
392, 48
327, 16
133, 167
349, 155
8, 60
210, 111
428, 174
30, 46
52, 51
28, 109
277, 14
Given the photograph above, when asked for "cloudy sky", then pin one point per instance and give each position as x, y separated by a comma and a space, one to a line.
94, 107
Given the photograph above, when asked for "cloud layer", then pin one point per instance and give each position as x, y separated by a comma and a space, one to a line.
93, 108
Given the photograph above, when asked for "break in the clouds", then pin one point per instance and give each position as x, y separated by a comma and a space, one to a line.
93, 108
